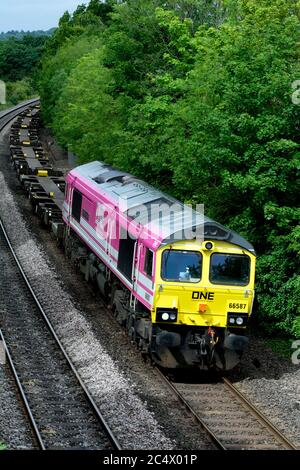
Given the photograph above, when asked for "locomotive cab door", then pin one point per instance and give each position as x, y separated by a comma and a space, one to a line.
127, 252
76, 205
135, 274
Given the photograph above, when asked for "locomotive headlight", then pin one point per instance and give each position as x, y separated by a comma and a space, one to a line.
166, 314
237, 320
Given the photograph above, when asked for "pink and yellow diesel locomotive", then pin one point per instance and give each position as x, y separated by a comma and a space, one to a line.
181, 284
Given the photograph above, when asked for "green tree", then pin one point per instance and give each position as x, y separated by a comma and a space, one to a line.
86, 110
56, 68
20, 91
19, 57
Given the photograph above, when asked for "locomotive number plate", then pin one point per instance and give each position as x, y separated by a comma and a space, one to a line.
236, 306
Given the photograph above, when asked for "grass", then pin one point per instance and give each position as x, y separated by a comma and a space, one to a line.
281, 346
2, 446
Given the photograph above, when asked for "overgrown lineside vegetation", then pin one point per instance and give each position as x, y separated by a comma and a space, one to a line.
195, 97
18, 60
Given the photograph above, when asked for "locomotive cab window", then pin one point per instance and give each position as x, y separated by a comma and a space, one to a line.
76, 205
148, 266
183, 266
229, 269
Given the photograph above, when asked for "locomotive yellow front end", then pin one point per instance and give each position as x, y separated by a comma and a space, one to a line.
204, 295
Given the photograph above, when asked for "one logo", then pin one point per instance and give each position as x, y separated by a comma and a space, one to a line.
197, 295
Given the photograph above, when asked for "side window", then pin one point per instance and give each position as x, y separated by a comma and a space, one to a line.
76, 205
148, 266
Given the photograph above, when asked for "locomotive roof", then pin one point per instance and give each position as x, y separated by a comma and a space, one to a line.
134, 196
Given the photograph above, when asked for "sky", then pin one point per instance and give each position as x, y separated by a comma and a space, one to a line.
33, 14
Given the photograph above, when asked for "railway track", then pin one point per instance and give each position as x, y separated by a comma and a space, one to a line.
8, 115
231, 421
61, 412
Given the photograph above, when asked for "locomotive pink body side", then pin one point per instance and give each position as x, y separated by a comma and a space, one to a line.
99, 225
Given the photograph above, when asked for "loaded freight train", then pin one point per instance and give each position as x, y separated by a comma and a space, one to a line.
180, 283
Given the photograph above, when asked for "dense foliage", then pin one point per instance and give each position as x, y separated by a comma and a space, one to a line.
21, 34
195, 97
18, 60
